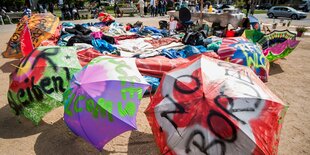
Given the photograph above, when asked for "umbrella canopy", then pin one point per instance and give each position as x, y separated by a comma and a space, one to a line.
103, 99
280, 50
210, 106
278, 44
253, 19
41, 27
40, 79
276, 37
253, 35
239, 50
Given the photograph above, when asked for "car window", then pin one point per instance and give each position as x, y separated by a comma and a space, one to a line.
277, 9
284, 9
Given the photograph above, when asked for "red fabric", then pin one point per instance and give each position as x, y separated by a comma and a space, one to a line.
105, 17
230, 33
52, 41
123, 37
157, 66
25, 41
161, 42
85, 56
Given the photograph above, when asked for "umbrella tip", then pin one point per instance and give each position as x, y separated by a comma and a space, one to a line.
77, 82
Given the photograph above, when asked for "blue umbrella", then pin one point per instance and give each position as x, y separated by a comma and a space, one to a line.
253, 19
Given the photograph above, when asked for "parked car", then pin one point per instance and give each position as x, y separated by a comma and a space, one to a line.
304, 5
284, 11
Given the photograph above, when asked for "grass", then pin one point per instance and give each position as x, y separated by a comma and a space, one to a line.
256, 11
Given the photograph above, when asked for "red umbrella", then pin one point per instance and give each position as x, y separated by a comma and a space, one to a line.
208, 106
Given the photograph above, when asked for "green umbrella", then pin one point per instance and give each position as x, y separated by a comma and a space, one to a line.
38, 83
253, 35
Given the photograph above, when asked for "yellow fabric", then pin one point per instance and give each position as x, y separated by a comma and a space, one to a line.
41, 26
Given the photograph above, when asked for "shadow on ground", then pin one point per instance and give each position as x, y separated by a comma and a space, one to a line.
12, 126
141, 143
8, 68
275, 69
58, 139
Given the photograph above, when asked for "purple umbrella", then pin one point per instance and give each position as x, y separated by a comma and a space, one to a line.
103, 99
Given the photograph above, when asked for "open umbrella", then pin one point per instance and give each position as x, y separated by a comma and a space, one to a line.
103, 99
253, 35
253, 19
42, 26
210, 106
239, 50
278, 44
40, 79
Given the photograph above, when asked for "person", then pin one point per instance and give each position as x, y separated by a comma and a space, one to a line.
51, 8
161, 7
165, 7
75, 13
4, 15
27, 11
145, 8
141, 6
153, 8
117, 11
172, 25
252, 9
248, 5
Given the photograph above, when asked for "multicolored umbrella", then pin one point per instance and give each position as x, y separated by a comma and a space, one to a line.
276, 37
239, 50
253, 35
38, 83
278, 44
103, 99
42, 26
210, 106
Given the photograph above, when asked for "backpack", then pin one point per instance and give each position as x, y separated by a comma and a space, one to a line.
194, 38
163, 24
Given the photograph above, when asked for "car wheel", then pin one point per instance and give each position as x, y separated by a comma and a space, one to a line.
294, 17
270, 15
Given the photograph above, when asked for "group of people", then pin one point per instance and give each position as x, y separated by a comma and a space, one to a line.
155, 7
69, 12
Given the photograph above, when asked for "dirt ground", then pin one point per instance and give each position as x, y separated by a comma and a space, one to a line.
289, 79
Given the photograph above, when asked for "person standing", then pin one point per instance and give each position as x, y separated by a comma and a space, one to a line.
51, 7
252, 9
153, 8
141, 6
145, 8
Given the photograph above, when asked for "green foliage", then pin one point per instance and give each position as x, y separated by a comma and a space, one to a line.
301, 29
240, 4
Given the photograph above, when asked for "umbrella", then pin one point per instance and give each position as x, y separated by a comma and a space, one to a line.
253, 35
103, 99
280, 50
253, 19
278, 44
40, 79
210, 106
239, 50
42, 26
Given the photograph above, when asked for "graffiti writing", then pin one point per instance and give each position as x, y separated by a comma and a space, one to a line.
222, 121
35, 92
104, 107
